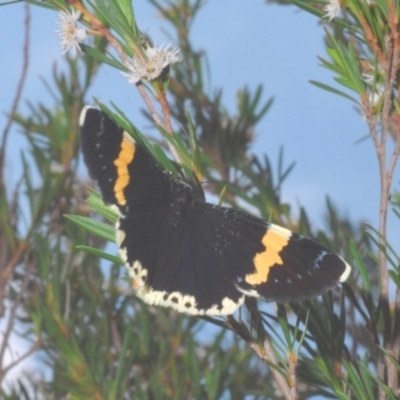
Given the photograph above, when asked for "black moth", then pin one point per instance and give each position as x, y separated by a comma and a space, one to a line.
185, 253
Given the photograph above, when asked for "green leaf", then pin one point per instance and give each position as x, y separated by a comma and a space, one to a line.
355, 381
283, 322
96, 203
361, 265
341, 396
333, 90
99, 56
120, 17
98, 228
101, 254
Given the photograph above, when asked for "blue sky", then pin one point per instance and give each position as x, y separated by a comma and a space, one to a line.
247, 42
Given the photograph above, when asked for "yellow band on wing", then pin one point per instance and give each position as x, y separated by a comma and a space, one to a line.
122, 162
274, 240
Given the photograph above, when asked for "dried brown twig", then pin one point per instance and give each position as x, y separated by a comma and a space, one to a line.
387, 370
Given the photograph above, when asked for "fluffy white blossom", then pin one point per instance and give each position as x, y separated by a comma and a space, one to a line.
375, 91
332, 9
57, 168
368, 78
151, 66
376, 94
373, 80
70, 34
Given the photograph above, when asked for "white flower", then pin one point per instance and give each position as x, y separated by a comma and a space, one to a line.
70, 34
149, 68
332, 9
56, 168
373, 73
368, 78
375, 95
374, 87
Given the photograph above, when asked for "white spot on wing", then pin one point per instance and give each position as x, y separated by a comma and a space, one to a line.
123, 253
119, 236
280, 231
248, 292
129, 138
346, 272
82, 117
185, 303
319, 259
